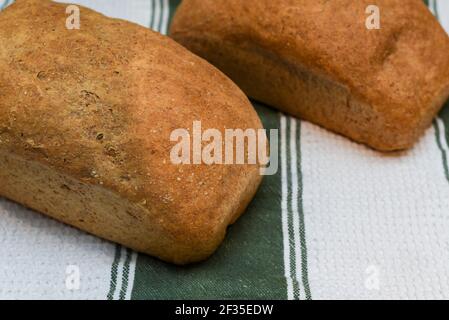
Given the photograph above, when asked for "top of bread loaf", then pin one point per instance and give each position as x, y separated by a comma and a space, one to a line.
401, 70
100, 104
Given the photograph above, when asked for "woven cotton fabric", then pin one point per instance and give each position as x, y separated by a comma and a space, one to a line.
338, 221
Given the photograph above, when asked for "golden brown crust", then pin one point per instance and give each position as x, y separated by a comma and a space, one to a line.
317, 60
97, 106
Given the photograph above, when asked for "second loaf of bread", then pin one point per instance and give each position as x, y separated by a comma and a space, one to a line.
318, 60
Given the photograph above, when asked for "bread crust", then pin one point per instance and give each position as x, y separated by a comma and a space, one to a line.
85, 123
317, 60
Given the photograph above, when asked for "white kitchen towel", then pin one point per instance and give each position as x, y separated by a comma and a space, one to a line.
339, 221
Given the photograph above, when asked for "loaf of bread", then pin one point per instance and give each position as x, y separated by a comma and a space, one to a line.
321, 61
85, 123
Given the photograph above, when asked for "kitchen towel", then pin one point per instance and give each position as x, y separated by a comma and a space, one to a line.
338, 221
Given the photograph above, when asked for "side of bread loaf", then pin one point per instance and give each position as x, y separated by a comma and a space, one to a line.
85, 123
317, 60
